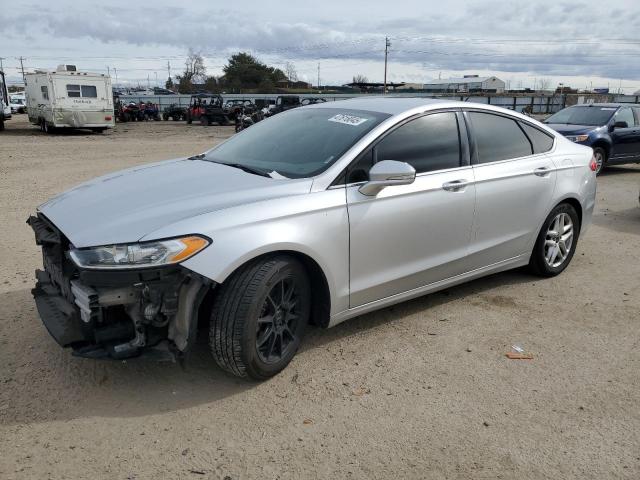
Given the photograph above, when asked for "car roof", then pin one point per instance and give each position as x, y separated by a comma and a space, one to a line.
387, 104
610, 105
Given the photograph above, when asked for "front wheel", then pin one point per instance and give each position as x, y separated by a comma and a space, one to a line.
259, 317
556, 242
204, 121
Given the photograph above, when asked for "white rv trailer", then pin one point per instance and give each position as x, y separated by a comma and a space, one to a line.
5, 109
67, 98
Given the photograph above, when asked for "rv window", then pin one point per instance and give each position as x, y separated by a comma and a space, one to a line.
45, 92
73, 90
85, 91
89, 91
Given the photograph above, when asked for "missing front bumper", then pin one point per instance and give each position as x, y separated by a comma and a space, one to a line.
115, 314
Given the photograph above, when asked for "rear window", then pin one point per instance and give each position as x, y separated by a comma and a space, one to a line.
498, 138
541, 141
84, 91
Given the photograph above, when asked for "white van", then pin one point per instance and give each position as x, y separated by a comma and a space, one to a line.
5, 109
67, 98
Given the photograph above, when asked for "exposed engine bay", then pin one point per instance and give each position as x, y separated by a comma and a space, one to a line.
114, 314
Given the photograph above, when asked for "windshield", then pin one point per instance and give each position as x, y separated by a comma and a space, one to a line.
583, 116
298, 143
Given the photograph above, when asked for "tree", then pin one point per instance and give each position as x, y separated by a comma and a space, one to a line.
290, 72
360, 79
244, 71
194, 70
169, 85
544, 84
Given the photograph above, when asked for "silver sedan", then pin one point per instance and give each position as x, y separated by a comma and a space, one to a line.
316, 215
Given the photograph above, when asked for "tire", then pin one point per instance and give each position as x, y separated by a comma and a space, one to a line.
204, 121
254, 330
46, 128
188, 118
600, 155
2, 123
99, 130
545, 249
165, 117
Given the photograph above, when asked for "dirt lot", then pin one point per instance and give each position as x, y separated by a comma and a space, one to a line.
419, 390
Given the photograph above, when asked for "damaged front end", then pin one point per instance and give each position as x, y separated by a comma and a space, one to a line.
118, 313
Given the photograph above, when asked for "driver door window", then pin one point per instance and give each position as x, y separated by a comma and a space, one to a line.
625, 115
428, 144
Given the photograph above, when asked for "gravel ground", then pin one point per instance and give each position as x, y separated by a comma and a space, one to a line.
419, 390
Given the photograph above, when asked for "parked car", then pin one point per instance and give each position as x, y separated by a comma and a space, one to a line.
611, 129
18, 103
316, 215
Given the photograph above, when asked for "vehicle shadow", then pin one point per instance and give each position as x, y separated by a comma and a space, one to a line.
624, 221
317, 337
41, 382
618, 170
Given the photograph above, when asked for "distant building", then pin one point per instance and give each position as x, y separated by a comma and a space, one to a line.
466, 84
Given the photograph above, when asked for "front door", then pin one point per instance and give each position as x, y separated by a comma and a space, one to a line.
625, 140
410, 236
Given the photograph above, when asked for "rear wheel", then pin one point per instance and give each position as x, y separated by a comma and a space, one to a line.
204, 121
189, 120
165, 117
259, 317
600, 156
556, 242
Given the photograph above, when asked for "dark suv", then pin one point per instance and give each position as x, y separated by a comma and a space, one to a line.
611, 129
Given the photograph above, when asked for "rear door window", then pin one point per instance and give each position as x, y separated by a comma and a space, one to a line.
541, 141
498, 138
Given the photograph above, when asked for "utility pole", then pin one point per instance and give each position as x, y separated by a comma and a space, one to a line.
387, 44
318, 76
1, 58
115, 70
169, 69
22, 68
108, 71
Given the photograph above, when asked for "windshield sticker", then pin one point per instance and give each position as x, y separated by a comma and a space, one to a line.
607, 109
348, 119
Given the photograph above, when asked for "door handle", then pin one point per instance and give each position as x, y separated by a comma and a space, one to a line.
455, 185
542, 171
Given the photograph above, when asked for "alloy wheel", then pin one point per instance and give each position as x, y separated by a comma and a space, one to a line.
558, 240
599, 158
276, 331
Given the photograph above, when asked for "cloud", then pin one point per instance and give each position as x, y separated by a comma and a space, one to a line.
545, 38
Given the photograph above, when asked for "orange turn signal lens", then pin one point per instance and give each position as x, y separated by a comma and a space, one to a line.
192, 245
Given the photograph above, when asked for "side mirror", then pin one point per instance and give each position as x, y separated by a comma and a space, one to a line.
620, 124
386, 174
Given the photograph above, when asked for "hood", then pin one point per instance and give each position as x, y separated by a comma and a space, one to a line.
125, 206
565, 129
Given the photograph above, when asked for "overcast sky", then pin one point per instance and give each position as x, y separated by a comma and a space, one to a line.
581, 43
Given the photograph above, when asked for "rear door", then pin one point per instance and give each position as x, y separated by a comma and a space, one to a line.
410, 236
626, 140
515, 181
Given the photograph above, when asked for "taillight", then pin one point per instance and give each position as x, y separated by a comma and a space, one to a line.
108, 118
593, 165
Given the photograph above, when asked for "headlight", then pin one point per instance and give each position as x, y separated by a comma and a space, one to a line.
139, 255
578, 138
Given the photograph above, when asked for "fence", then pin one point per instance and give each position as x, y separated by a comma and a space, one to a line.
540, 104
